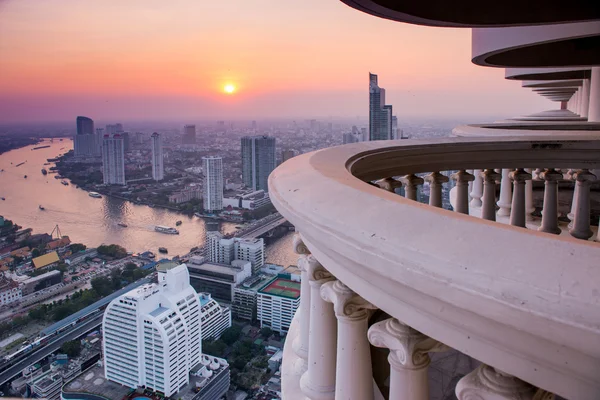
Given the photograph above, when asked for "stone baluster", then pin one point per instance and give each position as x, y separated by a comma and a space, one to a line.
389, 184
477, 191
409, 358
487, 383
318, 382
471, 171
581, 222
529, 207
354, 377
436, 180
505, 200
300, 344
574, 201
489, 194
518, 208
550, 210
463, 180
411, 182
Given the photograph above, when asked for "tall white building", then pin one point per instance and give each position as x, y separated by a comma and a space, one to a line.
277, 303
258, 161
224, 250
215, 318
113, 159
158, 170
152, 334
213, 183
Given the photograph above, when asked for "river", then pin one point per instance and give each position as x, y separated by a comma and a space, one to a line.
95, 221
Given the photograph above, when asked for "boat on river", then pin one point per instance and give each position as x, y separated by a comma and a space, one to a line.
122, 225
65, 183
166, 229
25, 176
95, 195
41, 208
163, 250
178, 223
44, 172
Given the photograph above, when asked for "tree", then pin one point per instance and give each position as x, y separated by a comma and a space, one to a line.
17, 260
71, 348
112, 250
77, 247
231, 335
266, 332
35, 253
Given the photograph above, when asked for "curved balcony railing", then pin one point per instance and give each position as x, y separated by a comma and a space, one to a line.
523, 302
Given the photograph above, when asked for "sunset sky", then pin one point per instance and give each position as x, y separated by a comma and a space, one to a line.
156, 59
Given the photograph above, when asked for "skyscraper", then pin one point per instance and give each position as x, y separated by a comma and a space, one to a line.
189, 134
84, 142
380, 114
126, 140
258, 161
395, 127
152, 334
224, 250
213, 183
287, 154
113, 160
99, 137
85, 126
158, 171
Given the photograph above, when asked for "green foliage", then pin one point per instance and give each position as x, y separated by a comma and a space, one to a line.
17, 260
266, 332
231, 335
36, 253
214, 348
77, 247
112, 250
71, 348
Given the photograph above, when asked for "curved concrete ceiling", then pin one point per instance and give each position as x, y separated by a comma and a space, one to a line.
560, 45
547, 74
552, 84
477, 13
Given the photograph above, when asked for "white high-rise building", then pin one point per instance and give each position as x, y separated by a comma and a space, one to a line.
113, 160
158, 170
213, 183
277, 303
224, 250
215, 318
152, 334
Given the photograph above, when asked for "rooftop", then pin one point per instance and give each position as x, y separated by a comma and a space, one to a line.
45, 260
93, 382
283, 288
159, 311
214, 267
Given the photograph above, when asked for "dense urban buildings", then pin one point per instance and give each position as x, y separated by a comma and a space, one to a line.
213, 183
224, 250
258, 161
218, 279
152, 334
189, 134
113, 159
380, 114
158, 169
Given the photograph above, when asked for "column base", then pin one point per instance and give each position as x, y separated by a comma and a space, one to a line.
316, 392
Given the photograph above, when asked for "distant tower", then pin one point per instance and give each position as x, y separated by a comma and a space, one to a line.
113, 160
189, 134
380, 114
258, 161
254, 125
395, 127
99, 136
84, 142
158, 171
213, 183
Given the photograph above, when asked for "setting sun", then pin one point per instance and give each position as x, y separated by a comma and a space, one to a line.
229, 88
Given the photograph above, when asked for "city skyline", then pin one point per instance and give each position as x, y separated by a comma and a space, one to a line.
130, 72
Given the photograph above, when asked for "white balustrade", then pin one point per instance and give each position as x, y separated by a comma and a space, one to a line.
463, 180
389, 184
408, 358
550, 210
354, 377
505, 200
518, 211
489, 194
529, 207
436, 181
581, 223
300, 344
477, 190
411, 182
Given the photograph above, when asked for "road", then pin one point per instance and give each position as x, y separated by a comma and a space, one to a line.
50, 348
255, 232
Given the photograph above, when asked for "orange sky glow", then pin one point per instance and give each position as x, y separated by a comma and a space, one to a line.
139, 58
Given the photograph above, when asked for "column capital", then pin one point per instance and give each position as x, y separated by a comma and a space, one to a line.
409, 348
389, 184
487, 383
346, 304
551, 175
463, 176
489, 175
412, 180
520, 175
299, 246
584, 175
316, 272
436, 177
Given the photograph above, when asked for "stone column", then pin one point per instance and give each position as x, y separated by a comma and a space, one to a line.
470, 171
463, 179
550, 210
436, 180
389, 184
318, 382
300, 344
354, 377
477, 191
585, 98
518, 208
529, 207
594, 102
581, 222
487, 383
411, 182
505, 200
409, 358
489, 194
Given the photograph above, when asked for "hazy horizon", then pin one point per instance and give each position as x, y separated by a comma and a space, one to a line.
146, 59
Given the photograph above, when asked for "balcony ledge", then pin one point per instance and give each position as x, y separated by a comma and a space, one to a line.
524, 302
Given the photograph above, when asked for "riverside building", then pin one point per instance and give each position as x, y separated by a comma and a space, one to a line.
391, 290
